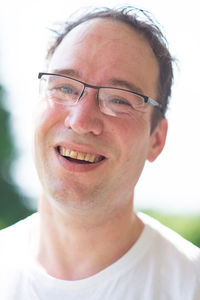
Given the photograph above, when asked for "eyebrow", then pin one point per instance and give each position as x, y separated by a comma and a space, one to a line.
67, 72
113, 81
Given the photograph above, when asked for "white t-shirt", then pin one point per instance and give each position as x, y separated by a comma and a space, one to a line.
161, 265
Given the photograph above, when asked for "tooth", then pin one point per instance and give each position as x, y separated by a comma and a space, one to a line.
81, 156
67, 152
73, 154
92, 157
62, 150
87, 157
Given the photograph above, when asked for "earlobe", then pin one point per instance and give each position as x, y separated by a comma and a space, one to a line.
158, 139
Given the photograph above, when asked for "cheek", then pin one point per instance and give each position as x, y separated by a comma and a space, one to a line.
134, 131
43, 115
47, 114
134, 140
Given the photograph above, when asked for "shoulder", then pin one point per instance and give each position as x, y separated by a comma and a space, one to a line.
16, 236
175, 260
14, 256
18, 226
171, 246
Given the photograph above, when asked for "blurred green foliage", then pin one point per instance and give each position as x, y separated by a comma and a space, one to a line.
11, 205
188, 226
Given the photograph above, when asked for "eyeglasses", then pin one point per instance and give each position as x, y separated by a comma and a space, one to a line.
112, 101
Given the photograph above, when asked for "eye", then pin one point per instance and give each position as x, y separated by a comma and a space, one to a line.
66, 90
120, 101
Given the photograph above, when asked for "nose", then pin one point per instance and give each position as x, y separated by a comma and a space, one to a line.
85, 117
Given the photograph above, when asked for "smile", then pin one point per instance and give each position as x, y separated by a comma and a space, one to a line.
79, 157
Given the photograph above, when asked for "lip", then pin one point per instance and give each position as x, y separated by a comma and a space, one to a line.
76, 167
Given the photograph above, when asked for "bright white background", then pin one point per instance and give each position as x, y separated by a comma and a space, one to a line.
172, 182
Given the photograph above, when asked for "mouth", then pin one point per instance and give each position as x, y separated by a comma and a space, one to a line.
79, 157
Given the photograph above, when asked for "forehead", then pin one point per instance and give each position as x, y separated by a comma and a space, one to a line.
106, 47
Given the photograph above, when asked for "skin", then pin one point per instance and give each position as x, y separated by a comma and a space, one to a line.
83, 209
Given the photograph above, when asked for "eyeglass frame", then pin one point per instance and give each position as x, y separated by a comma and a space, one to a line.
147, 99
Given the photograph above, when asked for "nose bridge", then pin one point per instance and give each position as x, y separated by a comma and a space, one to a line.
84, 91
85, 116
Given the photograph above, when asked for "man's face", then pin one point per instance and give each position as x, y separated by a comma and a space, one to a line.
99, 52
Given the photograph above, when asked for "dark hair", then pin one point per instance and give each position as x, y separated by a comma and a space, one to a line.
142, 22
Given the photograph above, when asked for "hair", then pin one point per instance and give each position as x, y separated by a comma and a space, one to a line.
142, 22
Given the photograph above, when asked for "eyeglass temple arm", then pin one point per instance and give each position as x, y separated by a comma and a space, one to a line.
155, 104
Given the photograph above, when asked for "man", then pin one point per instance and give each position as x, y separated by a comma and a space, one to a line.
101, 115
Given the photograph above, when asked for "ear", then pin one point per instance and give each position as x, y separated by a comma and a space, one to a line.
157, 140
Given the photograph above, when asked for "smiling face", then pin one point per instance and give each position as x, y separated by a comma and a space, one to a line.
104, 53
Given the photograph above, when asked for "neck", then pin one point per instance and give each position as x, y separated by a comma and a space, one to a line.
65, 241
